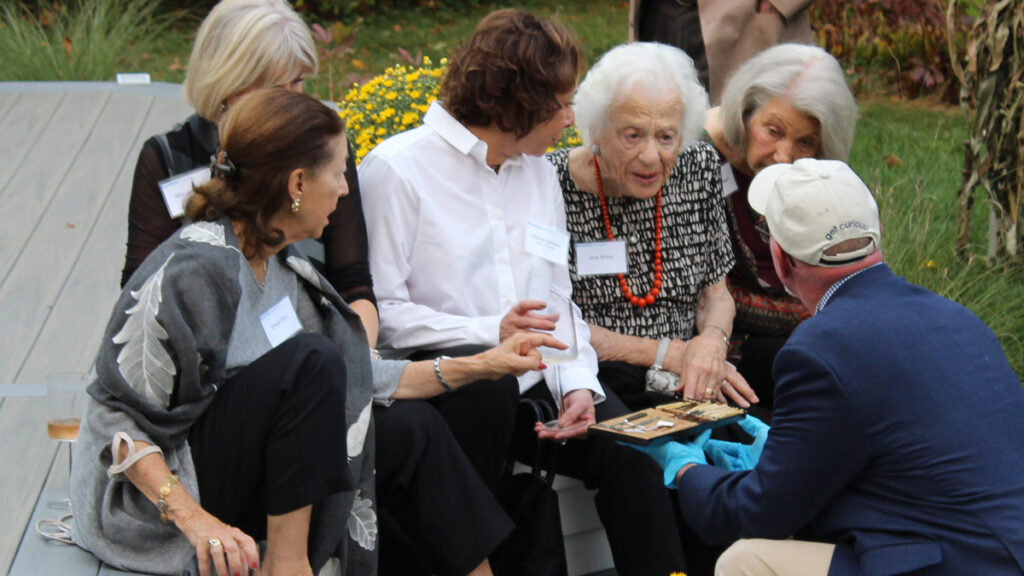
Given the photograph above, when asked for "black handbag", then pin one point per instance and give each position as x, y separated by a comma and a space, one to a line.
535, 546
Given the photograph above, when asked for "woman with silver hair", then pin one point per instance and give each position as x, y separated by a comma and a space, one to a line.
643, 193
240, 46
789, 102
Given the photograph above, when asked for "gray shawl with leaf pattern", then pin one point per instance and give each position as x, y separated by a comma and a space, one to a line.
162, 357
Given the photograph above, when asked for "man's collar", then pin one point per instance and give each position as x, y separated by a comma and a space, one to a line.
832, 290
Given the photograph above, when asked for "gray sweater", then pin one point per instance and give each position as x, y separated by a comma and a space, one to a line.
163, 355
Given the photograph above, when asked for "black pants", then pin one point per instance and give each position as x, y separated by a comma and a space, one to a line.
269, 442
427, 486
422, 530
632, 501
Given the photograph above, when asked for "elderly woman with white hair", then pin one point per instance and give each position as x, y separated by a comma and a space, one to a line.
240, 46
650, 248
787, 103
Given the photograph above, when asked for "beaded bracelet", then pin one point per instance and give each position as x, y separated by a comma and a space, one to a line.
437, 372
165, 491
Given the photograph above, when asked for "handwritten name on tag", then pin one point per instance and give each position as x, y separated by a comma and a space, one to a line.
280, 322
547, 243
729, 185
601, 258
177, 188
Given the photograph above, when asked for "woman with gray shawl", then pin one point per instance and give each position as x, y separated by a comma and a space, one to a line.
233, 395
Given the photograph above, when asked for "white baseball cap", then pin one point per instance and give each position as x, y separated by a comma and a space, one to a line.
813, 205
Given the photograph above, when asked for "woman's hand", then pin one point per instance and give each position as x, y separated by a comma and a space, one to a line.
522, 319
233, 552
517, 354
576, 418
702, 367
736, 388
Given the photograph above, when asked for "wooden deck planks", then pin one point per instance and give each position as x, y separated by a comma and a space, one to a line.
76, 322
27, 116
37, 179
39, 273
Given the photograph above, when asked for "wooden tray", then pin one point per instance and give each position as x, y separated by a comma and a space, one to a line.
677, 420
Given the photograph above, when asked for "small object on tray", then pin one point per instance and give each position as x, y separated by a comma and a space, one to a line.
678, 420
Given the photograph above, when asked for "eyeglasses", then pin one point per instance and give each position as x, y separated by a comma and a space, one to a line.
762, 229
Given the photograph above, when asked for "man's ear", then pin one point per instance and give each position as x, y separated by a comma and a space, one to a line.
783, 262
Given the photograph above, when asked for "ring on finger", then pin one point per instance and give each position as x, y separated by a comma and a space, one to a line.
213, 542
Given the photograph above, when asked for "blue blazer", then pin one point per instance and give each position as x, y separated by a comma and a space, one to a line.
898, 435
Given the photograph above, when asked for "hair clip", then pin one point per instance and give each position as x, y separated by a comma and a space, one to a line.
221, 165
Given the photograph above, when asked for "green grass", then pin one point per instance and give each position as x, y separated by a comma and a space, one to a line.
911, 155
599, 25
87, 39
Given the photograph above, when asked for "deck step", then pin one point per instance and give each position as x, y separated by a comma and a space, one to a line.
38, 556
586, 546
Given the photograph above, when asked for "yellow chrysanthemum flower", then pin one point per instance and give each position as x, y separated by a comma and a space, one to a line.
396, 101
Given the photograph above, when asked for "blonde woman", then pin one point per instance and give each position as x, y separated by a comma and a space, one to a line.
240, 46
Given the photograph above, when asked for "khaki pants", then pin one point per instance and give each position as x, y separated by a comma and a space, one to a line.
760, 557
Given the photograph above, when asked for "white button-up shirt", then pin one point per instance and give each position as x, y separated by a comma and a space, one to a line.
447, 242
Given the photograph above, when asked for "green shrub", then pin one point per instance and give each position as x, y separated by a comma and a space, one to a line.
79, 40
901, 43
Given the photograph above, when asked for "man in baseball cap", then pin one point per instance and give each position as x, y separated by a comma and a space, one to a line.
896, 440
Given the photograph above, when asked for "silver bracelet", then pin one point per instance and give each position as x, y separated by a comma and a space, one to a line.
725, 335
437, 372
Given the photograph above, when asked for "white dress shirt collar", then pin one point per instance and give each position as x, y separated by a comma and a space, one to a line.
460, 137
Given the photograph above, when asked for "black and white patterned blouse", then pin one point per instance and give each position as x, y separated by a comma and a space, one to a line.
694, 244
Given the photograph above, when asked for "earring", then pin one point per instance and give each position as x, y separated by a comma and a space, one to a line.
295, 206
595, 149
222, 108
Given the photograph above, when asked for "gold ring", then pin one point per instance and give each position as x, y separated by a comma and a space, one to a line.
213, 542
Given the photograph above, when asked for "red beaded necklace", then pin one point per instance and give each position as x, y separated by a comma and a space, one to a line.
651, 296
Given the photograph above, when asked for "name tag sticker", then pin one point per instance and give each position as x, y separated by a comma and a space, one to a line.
280, 322
601, 258
729, 186
177, 188
547, 243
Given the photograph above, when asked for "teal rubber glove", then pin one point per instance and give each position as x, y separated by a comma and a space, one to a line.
672, 455
735, 456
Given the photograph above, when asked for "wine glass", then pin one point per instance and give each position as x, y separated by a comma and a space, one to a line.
565, 331
62, 420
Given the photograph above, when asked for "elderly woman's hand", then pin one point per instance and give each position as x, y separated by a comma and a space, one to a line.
736, 388
521, 318
701, 367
